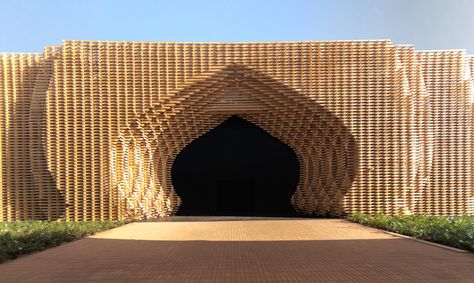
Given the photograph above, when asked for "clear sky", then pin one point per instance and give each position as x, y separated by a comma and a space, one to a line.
27, 26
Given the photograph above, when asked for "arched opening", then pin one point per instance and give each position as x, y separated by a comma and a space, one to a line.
328, 153
236, 169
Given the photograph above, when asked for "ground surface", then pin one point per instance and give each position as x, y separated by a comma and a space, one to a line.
185, 249
24, 237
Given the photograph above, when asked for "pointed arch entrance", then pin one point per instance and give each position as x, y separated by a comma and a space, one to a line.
236, 169
143, 157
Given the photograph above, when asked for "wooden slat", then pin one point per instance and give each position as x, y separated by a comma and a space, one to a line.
90, 129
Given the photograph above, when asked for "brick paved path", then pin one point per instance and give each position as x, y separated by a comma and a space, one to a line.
242, 250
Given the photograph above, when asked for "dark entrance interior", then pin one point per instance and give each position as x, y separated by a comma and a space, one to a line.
236, 169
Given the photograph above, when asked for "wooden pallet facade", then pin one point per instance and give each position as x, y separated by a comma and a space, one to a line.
90, 129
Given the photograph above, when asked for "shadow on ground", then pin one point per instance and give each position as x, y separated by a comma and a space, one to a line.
111, 260
230, 218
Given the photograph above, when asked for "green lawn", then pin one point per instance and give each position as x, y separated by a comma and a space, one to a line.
22, 237
454, 231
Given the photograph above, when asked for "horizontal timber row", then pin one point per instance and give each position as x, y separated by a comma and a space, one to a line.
90, 129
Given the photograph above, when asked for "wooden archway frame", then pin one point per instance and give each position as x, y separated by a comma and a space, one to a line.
142, 160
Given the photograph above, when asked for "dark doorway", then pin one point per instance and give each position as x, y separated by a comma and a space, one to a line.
236, 169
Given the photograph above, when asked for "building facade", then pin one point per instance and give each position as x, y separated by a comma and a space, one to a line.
90, 129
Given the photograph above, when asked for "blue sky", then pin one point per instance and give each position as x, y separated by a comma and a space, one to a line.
27, 26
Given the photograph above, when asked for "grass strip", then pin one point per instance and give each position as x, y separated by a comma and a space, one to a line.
23, 237
454, 231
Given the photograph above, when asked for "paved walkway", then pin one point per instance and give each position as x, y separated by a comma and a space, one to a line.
242, 250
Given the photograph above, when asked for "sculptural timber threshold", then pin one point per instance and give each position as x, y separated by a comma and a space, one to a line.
90, 129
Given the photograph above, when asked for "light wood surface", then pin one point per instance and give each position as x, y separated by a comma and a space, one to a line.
90, 129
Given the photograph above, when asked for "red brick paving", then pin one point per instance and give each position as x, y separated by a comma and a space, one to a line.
242, 250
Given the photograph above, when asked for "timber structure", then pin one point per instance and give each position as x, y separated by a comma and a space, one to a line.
89, 129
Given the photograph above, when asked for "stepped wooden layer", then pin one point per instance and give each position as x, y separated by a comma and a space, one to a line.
90, 129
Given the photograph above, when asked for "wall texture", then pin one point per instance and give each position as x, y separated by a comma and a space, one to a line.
90, 129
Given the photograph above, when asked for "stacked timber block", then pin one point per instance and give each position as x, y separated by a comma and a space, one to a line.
89, 130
